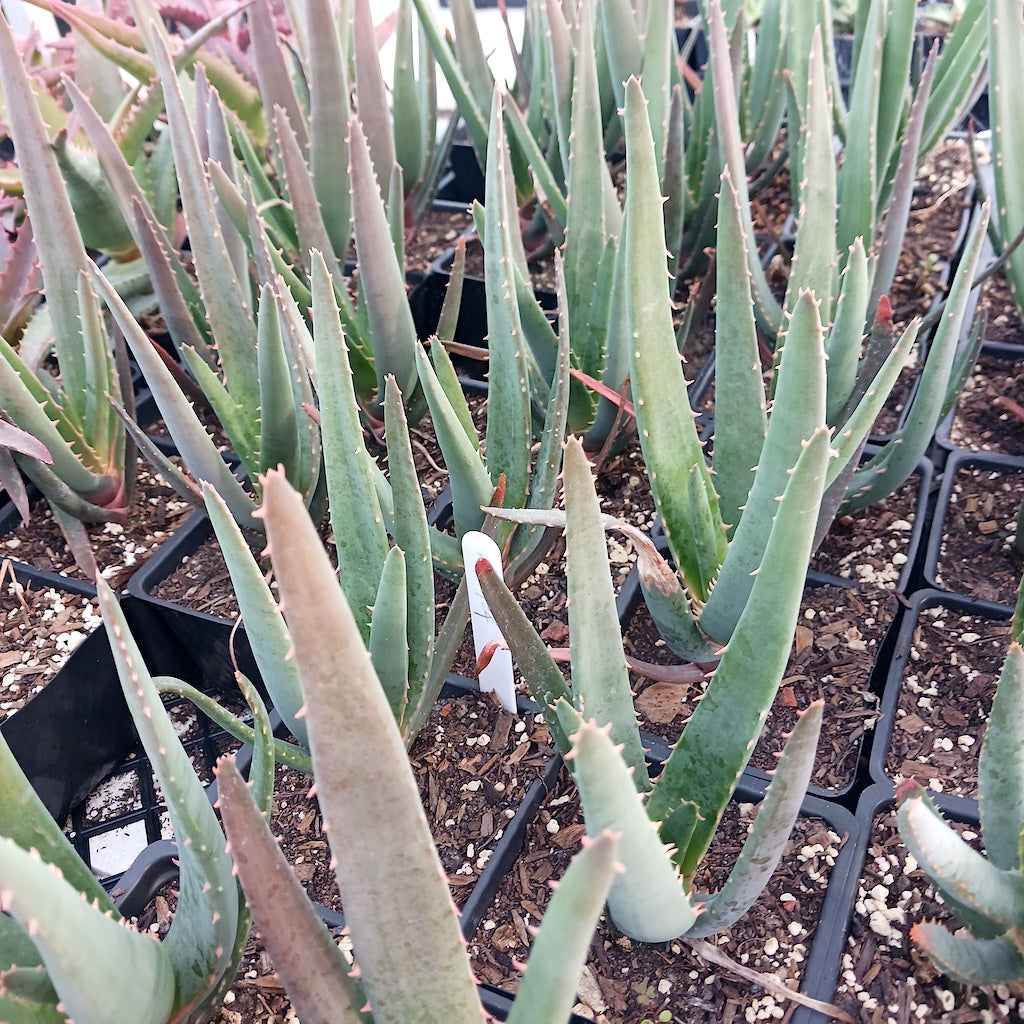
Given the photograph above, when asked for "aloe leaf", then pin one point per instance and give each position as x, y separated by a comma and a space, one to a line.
408, 975
726, 127
382, 285
741, 419
26, 402
850, 435
673, 179
961, 66
797, 411
62, 924
104, 441
388, 645
563, 68
449, 318
898, 22
309, 223
451, 66
647, 900
971, 961
58, 241
897, 460
1001, 767
174, 289
666, 600
248, 220
672, 450
278, 219
814, 257
544, 481
548, 188
264, 624
12, 483
615, 371
412, 535
508, 403
201, 941
769, 834
313, 969
600, 678
195, 444
730, 715
448, 380
359, 534
471, 484
533, 659
969, 877
25, 820
28, 996
622, 44
547, 991
410, 126
227, 306
472, 59
585, 228
279, 428
97, 213
329, 107
858, 177
845, 337
659, 72
272, 78
890, 238
371, 97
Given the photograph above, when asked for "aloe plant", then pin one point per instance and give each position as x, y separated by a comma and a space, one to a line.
90, 470
411, 963
850, 230
65, 951
1005, 51
983, 890
668, 824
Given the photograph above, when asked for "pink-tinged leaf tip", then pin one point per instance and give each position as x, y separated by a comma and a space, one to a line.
489, 650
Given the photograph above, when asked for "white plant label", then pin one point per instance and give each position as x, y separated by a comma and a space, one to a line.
498, 677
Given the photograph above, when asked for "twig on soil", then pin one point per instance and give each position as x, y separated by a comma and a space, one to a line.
766, 981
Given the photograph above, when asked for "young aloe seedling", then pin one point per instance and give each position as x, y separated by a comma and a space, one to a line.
669, 824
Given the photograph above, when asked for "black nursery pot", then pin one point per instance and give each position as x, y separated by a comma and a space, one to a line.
878, 966
916, 697
1002, 363
78, 732
471, 328
820, 971
975, 517
849, 687
464, 183
77, 728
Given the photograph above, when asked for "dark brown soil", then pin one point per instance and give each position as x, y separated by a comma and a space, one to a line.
119, 550
40, 629
627, 981
981, 421
873, 545
437, 232
884, 977
473, 763
945, 696
977, 557
1004, 319
837, 641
